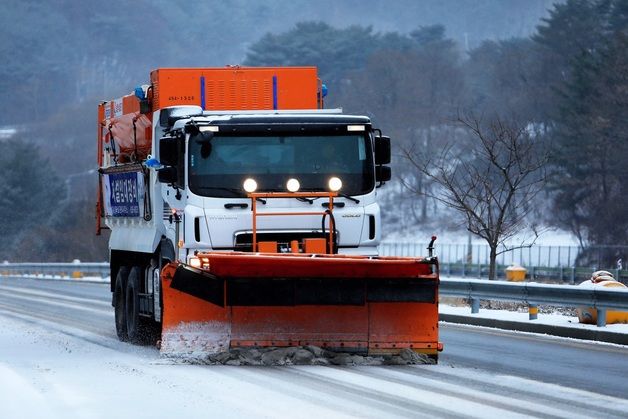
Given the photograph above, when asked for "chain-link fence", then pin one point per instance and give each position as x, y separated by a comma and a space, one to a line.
559, 264
607, 257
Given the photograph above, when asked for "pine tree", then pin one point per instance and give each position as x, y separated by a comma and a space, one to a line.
29, 193
591, 133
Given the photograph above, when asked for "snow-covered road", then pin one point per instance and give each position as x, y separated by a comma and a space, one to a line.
59, 358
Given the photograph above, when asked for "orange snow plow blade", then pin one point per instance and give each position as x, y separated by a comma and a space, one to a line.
350, 303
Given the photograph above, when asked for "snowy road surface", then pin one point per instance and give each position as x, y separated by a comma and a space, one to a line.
60, 358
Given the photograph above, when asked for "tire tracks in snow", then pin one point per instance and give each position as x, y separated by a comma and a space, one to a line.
321, 389
524, 394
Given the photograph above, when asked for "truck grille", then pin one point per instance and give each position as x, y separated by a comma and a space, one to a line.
243, 241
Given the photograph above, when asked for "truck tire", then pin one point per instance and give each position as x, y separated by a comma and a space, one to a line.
134, 324
119, 296
140, 330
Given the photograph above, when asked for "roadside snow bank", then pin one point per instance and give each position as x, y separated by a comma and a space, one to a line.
554, 319
88, 279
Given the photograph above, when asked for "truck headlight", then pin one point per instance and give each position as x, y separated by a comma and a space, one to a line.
250, 185
194, 262
293, 185
334, 184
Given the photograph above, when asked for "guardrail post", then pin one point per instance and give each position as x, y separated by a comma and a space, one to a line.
601, 317
77, 273
573, 275
533, 311
475, 305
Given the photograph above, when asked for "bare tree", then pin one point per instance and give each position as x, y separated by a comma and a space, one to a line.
491, 179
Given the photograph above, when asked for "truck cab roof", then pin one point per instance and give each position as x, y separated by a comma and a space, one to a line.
306, 120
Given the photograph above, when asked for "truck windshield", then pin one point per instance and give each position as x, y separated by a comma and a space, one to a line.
218, 169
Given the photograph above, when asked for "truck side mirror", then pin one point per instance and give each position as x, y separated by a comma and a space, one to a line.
171, 156
383, 174
382, 150
204, 138
169, 151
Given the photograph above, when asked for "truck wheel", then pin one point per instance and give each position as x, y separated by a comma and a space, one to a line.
140, 330
119, 296
132, 306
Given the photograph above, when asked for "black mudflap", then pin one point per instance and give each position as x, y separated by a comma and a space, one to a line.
404, 290
301, 291
316, 291
199, 284
291, 292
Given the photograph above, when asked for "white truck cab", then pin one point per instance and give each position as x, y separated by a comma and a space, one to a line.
207, 157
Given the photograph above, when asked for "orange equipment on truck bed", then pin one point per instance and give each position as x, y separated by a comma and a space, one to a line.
126, 122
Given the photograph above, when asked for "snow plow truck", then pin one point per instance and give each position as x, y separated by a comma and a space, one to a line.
244, 214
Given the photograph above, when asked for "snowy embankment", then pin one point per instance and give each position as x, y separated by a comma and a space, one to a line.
555, 319
92, 279
548, 236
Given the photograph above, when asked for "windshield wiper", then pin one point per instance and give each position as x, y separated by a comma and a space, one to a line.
349, 197
340, 194
234, 191
238, 192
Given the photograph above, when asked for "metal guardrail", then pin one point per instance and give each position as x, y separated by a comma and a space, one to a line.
474, 289
74, 269
602, 299
559, 275
534, 273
